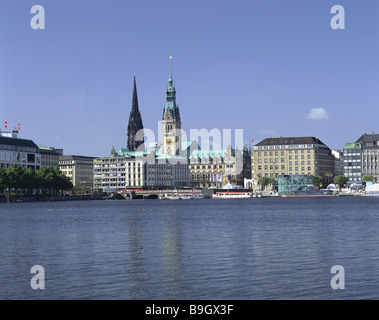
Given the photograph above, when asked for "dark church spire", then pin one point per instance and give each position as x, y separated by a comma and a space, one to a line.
135, 122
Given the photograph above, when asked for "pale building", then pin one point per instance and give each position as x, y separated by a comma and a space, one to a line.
117, 172
215, 168
273, 157
134, 170
370, 155
78, 168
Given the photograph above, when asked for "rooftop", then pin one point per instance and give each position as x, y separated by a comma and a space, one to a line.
289, 141
17, 142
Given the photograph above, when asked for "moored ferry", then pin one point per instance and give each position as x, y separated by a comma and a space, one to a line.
232, 194
183, 196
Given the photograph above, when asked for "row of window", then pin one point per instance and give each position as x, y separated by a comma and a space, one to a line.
290, 147
282, 160
276, 153
17, 148
283, 167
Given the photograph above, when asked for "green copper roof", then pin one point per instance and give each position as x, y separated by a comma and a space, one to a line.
42, 147
208, 153
126, 152
169, 156
353, 145
170, 97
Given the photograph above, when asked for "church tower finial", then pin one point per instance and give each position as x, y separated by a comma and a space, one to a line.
170, 78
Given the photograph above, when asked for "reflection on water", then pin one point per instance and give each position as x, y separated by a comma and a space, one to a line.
137, 260
172, 254
200, 249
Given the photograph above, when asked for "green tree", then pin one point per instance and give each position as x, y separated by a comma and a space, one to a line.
265, 181
317, 180
368, 178
16, 176
340, 180
4, 180
31, 180
60, 181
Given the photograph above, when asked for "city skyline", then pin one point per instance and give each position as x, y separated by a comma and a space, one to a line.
269, 68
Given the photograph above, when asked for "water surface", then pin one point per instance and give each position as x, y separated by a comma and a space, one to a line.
270, 248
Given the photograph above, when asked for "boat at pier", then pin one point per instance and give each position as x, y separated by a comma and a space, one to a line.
181, 196
232, 195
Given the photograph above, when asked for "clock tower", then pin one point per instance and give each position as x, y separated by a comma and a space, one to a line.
171, 124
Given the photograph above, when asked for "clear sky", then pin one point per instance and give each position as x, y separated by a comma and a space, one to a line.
256, 65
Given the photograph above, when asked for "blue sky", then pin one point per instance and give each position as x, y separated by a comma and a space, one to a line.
256, 65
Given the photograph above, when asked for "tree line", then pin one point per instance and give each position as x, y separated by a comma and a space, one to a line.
46, 179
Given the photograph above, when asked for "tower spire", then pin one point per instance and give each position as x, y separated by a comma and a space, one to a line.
135, 96
135, 121
170, 78
171, 124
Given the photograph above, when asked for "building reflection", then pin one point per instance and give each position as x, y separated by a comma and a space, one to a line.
138, 269
172, 254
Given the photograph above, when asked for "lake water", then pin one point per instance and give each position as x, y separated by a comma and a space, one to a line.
270, 248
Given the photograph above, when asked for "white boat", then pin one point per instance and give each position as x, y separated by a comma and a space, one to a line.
232, 194
186, 196
174, 196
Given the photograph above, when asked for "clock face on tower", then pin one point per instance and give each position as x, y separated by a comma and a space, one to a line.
168, 140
